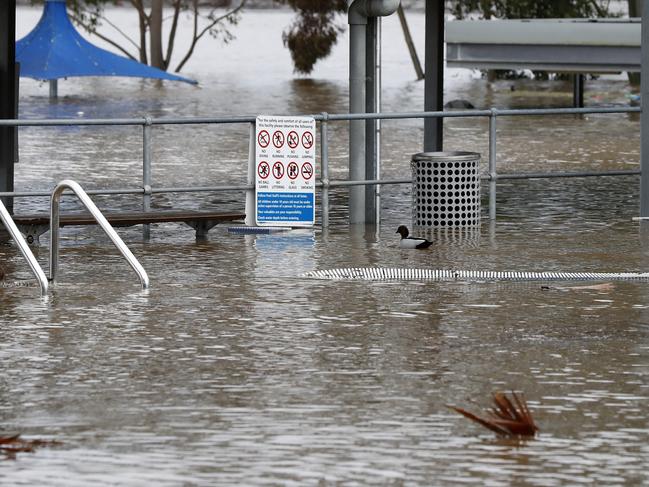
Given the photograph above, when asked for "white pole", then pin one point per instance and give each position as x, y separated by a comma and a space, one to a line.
251, 207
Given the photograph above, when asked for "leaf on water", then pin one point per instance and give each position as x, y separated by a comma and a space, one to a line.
509, 417
10, 444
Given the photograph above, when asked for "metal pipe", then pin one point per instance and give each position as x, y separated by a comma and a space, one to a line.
493, 175
331, 184
324, 169
7, 95
434, 75
377, 137
97, 215
578, 90
644, 118
251, 193
357, 103
358, 14
146, 174
582, 174
54, 89
331, 117
24, 248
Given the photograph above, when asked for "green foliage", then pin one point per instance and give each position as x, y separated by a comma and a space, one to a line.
530, 9
314, 32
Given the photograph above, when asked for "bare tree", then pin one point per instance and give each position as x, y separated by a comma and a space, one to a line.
214, 20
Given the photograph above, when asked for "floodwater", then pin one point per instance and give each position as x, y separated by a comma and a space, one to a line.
234, 370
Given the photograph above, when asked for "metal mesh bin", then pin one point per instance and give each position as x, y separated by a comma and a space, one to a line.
446, 189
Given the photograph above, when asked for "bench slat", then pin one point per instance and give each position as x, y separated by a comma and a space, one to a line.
129, 218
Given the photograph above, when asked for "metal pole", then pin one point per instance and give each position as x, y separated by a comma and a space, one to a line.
357, 134
377, 137
146, 174
644, 116
7, 97
371, 106
434, 84
492, 165
324, 169
251, 205
55, 202
54, 89
578, 90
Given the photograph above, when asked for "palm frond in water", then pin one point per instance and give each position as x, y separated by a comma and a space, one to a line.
509, 417
10, 444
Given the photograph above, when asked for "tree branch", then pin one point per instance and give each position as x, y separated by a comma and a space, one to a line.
172, 34
104, 38
600, 12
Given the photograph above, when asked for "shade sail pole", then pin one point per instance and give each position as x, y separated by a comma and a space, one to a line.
54, 89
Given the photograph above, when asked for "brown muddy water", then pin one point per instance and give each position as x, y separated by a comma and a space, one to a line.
234, 370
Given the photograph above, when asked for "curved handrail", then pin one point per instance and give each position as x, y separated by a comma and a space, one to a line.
24, 248
97, 215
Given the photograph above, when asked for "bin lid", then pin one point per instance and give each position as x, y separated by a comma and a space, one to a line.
446, 156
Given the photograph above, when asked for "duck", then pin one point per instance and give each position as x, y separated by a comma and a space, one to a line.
411, 242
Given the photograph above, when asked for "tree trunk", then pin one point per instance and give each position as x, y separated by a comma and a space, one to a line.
155, 34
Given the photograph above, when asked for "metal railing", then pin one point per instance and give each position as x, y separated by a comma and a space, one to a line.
24, 248
101, 220
325, 184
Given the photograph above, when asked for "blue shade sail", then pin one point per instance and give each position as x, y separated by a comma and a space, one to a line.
54, 49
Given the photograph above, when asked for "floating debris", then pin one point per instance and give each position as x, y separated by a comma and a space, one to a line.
12, 443
507, 418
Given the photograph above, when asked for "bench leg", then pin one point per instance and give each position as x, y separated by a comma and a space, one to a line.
32, 233
201, 227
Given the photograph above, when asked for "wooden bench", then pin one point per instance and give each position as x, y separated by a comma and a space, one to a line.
34, 225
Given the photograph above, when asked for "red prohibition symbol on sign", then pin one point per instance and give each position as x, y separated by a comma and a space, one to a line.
293, 170
278, 170
307, 170
292, 139
263, 139
263, 170
278, 139
307, 140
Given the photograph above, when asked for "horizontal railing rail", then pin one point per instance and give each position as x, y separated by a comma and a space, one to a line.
325, 184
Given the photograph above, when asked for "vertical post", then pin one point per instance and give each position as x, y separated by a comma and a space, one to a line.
434, 84
54, 89
146, 173
7, 96
357, 75
251, 206
492, 164
324, 169
16, 104
578, 90
644, 116
371, 106
377, 128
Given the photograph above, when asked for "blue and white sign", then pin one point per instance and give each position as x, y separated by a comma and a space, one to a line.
285, 166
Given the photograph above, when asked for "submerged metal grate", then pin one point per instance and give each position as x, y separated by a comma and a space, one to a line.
393, 273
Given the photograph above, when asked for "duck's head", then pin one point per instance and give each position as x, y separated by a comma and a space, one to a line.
403, 230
